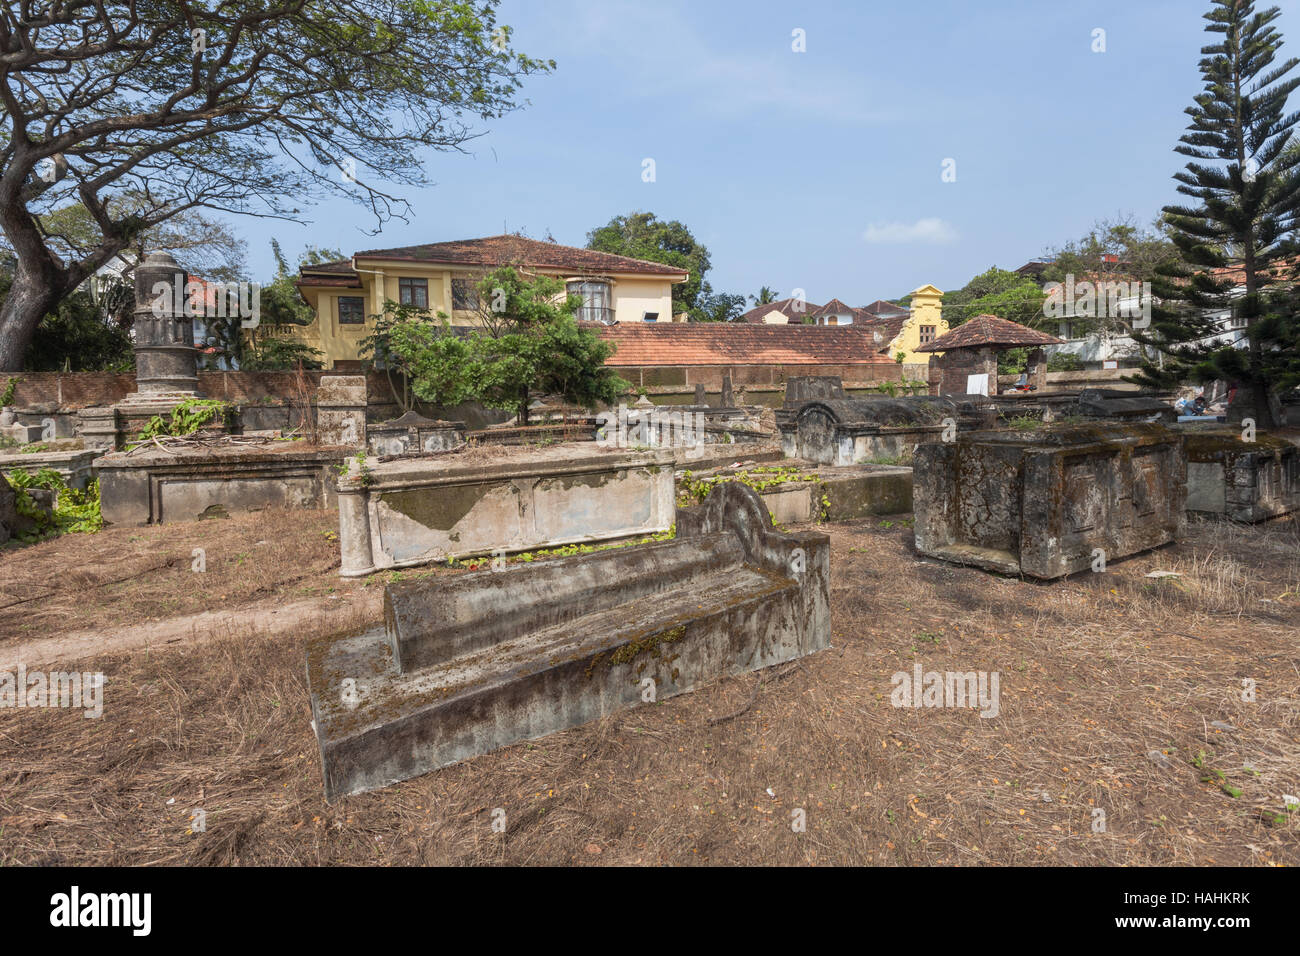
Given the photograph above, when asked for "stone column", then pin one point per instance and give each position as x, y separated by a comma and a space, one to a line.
165, 356
357, 557
1037, 364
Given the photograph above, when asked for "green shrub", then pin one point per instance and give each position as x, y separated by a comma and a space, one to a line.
186, 418
75, 512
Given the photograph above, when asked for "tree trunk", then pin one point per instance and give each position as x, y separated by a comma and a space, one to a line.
29, 298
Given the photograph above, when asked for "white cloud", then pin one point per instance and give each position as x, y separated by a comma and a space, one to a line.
933, 231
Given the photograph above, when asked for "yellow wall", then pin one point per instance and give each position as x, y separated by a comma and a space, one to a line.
631, 297
927, 309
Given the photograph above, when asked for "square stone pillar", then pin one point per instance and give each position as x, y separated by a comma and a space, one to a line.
341, 410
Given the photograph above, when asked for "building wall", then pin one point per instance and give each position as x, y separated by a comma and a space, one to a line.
927, 309
631, 298
336, 342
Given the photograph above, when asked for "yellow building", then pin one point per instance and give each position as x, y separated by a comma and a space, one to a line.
443, 277
906, 331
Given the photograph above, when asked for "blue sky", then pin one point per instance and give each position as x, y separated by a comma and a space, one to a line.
820, 170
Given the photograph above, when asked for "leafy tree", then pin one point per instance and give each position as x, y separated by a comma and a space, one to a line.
243, 106
535, 346
1245, 184
1008, 295
643, 236
422, 356
204, 246
76, 338
272, 344
718, 306
529, 344
277, 354
765, 295
1114, 250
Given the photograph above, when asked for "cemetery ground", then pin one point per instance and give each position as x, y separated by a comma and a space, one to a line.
1119, 692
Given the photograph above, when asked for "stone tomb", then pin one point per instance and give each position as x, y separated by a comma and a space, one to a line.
1244, 481
469, 663
341, 410
413, 511
72, 464
1125, 406
150, 485
1042, 502
849, 431
413, 435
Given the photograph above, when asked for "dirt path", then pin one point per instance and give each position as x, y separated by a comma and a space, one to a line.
269, 618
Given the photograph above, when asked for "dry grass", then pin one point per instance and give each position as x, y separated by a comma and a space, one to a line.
126, 576
1096, 671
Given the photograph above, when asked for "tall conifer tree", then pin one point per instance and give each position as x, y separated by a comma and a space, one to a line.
1244, 175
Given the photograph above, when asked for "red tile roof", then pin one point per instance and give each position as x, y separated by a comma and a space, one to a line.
738, 343
988, 330
881, 307
888, 327
785, 306
501, 250
836, 307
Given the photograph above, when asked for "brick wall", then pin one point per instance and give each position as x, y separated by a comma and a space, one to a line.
949, 371
73, 390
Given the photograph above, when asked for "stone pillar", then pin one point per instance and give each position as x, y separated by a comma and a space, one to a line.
97, 427
1037, 364
341, 410
165, 356
699, 394
357, 558
728, 399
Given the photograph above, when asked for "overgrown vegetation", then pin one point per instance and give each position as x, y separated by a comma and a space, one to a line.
186, 419
693, 489
75, 512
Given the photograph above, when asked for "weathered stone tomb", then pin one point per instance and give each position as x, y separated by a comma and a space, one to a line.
413, 435
1044, 502
469, 663
1244, 481
849, 431
151, 485
412, 511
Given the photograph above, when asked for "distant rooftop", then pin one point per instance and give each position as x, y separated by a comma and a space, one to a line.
988, 330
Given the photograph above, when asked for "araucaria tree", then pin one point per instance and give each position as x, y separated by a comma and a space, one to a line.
244, 106
1237, 239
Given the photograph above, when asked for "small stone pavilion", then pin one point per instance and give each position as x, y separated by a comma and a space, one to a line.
969, 360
